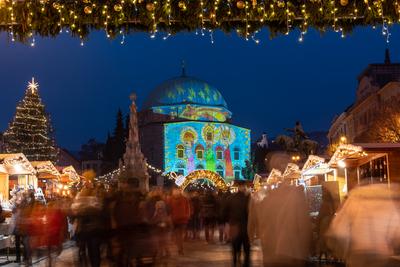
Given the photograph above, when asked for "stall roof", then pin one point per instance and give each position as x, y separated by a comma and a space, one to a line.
274, 176
46, 167
312, 161
292, 171
69, 173
345, 151
17, 164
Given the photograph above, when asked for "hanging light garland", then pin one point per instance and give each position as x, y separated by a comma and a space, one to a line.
23, 20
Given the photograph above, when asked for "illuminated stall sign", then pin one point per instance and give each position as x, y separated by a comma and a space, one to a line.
217, 147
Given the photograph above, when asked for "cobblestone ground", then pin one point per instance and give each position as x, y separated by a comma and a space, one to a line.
197, 254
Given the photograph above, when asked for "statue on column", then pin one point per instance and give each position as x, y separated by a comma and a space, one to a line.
134, 160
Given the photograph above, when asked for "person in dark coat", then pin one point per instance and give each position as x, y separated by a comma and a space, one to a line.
209, 215
221, 216
237, 210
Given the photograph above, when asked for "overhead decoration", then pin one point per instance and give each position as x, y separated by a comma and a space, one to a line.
24, 19
216, 179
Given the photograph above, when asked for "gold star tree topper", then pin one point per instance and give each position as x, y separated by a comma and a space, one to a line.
33, 86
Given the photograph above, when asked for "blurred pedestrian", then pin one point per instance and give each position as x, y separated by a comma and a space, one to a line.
221, 216
180, 214
209, 215
365, 231
134, 240
284, 227
194, 222
88, 211
163, 225
237, 210
325, 216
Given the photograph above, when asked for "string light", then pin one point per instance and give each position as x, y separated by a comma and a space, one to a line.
72, 17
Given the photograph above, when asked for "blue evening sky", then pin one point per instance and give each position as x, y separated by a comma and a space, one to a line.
267, 86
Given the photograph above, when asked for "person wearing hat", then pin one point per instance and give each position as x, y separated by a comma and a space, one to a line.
237, 210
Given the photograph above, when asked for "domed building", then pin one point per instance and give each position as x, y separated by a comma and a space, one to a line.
185, 125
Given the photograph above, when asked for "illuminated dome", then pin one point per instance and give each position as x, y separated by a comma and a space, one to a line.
185, 90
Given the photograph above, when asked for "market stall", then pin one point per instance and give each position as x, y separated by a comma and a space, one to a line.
292, 173
20, 171
47, 175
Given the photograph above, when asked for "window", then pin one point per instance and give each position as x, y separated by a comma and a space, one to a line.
200, 167
209, 137
237, 172
236, 153
220, 171
180, 151
219, 153
200, 152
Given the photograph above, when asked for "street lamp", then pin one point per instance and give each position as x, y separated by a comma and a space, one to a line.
343, 139
295, 158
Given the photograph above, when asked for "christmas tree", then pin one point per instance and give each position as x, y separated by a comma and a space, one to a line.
30, 132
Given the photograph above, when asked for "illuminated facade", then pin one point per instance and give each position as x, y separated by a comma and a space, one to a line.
185, 125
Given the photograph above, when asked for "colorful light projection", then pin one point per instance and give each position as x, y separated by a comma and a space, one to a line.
217, 147
195, 112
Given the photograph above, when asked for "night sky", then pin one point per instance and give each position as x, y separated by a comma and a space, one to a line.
267, 86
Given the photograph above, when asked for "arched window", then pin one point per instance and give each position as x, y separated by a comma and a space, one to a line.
236, 153
220, 170
180, 151
237, 171
200, 152
220, 153
200, 167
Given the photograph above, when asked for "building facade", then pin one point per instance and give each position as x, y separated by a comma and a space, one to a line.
378, 85
185, 125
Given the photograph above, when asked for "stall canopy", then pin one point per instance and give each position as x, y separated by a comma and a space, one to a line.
17, 164
315, 166
292, 171
346, 151
69, 175
274, 176
45, 169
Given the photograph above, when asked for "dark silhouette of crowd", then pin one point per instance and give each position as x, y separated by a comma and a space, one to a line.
124, 226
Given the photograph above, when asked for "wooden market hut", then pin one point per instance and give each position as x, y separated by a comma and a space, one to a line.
3, 183
69, 175
292, 172
367, 163
47, 174
20, 172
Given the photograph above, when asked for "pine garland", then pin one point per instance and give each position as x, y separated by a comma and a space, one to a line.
22, 19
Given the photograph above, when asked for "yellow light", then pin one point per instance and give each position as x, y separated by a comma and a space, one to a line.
341, 164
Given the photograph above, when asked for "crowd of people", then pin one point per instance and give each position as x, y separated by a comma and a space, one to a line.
127, 227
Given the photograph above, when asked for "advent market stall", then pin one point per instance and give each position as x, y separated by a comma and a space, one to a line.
21, 174
274, 177
3, 182
68, 179
368, 163
292, 173
47, 175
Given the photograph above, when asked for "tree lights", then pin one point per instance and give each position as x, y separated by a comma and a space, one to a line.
22, 19
30, 131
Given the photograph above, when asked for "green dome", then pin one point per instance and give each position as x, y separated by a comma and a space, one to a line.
183, 91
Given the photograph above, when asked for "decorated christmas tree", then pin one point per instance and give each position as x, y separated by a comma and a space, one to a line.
30, 132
